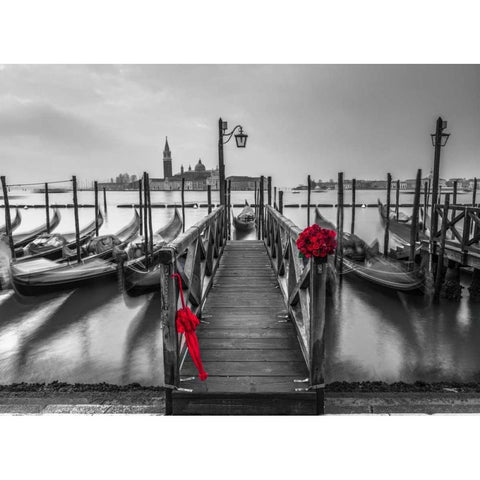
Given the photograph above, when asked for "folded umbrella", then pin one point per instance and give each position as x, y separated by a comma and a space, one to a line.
187, 322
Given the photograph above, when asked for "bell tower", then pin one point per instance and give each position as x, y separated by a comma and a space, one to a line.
167, 160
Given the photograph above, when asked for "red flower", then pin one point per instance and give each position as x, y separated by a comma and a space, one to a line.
316, 241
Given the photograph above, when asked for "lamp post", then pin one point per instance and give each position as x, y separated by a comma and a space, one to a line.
240, 139
439, 140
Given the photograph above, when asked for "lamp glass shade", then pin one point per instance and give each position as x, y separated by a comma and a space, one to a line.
241, 139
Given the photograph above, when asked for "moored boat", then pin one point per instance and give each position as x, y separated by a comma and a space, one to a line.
245, 220
41, 275
54, 246
139, 275
22, 239
15, 222
365, 262
400, 229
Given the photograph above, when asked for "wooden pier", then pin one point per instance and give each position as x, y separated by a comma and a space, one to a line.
261, 333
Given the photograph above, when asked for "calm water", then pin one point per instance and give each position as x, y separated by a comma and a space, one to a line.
97, 335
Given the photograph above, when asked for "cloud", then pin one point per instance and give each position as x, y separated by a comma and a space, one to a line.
53, 127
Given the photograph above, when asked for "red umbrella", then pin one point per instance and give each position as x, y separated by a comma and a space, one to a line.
187, 322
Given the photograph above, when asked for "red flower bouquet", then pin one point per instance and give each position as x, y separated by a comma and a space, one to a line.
316, 241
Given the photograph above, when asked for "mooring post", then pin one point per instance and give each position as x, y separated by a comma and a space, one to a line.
140, 204
309, 194
275, 198
414, 220
318, 283
183, 203
145, 217
474, 193
397, 199
339, 250
75, 212
280, 202
441, 252
387, 216
229, 213
209, 198
354, 188
261, 211
168, 307
105, 200
425, 206
95, 187
150, 221
269, 190
8, 219
47, 208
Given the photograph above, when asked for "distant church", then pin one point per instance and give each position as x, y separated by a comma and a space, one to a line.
197, 179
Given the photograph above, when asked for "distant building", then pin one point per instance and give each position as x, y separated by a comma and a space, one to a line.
243, 183
197, 179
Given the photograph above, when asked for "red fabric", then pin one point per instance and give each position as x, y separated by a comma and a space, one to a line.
187, 322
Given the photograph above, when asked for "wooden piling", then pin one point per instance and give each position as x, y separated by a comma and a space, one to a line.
441, 252
309, 195
269, 190
387, 216
280, 202
261, 209
414, 220
140, 204
474, 193
275, 197
149, 208
425, 206
209, 198
229, 208
183, 204
354, 194
8, 219
47, 208
95, 187
145, 218
397, 200
318, 283
77, 224
105, 200
339, 250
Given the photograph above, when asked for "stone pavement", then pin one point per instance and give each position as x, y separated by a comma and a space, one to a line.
153, 403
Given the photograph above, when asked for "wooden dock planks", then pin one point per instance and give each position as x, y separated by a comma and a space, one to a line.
249, 348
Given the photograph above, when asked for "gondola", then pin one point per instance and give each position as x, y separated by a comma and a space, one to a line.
15, 223
365, 262
400, 229
54, 246
245, 220
22, 239
99, 254
136, 278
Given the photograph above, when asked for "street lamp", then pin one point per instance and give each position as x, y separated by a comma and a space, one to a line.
223, 138
439, 140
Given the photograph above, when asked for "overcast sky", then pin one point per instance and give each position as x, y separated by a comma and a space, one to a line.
98, 121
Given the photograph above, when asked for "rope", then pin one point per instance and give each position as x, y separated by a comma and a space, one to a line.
36, 183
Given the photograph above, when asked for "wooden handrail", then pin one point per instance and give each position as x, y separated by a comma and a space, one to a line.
303, 285
195, 255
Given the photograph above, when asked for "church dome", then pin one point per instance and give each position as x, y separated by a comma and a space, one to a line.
199, 167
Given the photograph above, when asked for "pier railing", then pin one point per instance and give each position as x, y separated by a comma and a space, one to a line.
303, 285
194, 255
459, 228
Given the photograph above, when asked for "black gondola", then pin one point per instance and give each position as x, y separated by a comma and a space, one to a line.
15, 222
136, 277
44, 276
245, 220
365, 262
22, 239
